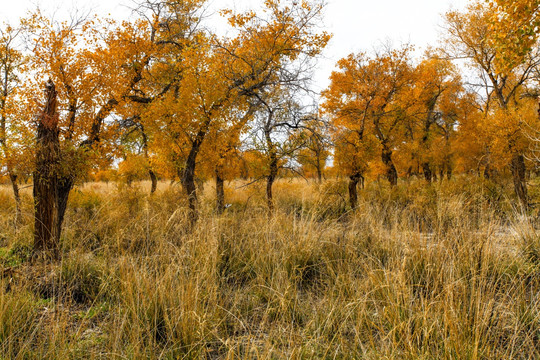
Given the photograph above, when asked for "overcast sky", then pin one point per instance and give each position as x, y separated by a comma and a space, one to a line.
357, 25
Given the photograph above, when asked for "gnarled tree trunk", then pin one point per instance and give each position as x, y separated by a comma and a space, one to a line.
187, 177
48, 216
391, 172
353, 189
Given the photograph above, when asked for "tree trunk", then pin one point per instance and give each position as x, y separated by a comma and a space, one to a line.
64, 187
319, 168
46, 194
187, 177
188, 183
520, 182
391, 172
487, 172
273, 166
154, 180
353, 192
270, 181
319, 175
353, 189
220, 193
269, 196
17, 196
427, 172
153, 176
409, 172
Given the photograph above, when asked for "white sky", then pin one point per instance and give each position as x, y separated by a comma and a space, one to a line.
357, 25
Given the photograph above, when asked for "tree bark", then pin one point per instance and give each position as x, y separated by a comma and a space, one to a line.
319, 167
64, 187
353, 189
273, 163
46, 195
153, 176
187, 177
519, 177
319, 172
220, 193
154, 179
391, 172
270, 179
427, 171
188, 183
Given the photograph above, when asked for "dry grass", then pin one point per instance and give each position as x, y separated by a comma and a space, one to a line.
449, 271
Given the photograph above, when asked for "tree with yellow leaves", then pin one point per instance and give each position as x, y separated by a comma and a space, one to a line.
314, 146
93, 67
14, 132
368, 101
221, 157
214, 74
504, 72
433, 114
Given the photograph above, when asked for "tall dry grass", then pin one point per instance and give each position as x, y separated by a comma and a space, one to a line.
448, 271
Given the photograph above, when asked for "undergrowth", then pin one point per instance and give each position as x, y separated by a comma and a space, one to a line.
444, 271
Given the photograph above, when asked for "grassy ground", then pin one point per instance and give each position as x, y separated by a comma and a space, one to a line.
448, 271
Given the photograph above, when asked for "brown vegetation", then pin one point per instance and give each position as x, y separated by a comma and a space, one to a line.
446, 271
